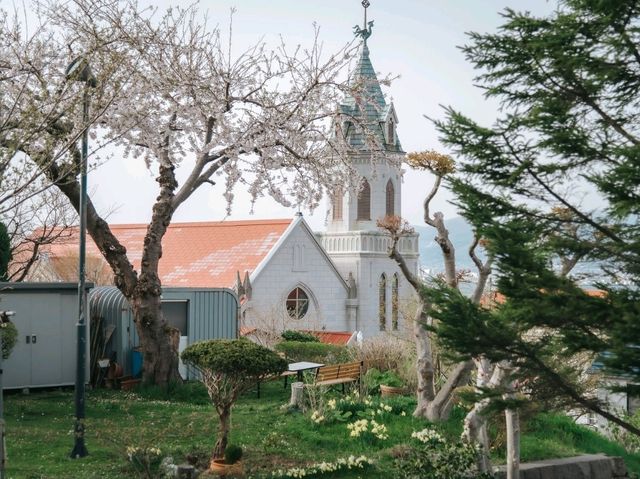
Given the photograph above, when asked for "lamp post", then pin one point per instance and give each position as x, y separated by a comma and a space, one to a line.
4, 318
79, 70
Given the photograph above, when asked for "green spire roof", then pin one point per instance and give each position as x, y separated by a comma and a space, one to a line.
372, 109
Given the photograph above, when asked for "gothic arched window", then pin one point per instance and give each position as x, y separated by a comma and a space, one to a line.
382, 303
336, 201
391, 197
297, 303
364, 202
394, 302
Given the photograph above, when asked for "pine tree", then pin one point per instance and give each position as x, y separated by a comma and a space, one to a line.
5, 252
552, 184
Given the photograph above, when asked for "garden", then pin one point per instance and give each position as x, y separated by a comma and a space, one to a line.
147, 432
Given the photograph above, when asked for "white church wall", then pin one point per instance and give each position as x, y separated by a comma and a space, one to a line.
298, 262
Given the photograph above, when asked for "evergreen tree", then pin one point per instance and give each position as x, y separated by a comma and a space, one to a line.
5, 252
554, 182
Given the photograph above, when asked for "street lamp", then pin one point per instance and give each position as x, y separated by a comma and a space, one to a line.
4, 318
79, 70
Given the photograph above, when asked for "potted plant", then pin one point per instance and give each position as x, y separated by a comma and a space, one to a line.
388, 382
231, 464
229, 367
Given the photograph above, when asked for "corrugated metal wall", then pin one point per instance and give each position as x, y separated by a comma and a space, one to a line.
212, 314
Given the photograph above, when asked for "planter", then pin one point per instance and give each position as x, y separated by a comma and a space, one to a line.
129, 384
386, 391
218, 466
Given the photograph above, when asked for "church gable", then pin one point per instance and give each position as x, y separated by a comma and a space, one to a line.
298, 286
298, 251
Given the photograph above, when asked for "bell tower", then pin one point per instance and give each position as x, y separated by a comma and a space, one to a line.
356, 245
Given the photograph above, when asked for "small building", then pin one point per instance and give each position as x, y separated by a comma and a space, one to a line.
46, 317
198, 313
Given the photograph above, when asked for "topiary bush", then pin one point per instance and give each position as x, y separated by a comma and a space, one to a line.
228, 367
291, 335
232, 454
315, 352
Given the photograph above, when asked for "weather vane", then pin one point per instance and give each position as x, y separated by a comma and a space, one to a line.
364, 32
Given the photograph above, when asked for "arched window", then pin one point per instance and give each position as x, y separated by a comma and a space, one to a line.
394, 302
336, 202
297, 303
364, 202
390, 132
391, 197
382, 303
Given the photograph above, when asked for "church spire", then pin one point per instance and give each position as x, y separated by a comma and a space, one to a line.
370, 107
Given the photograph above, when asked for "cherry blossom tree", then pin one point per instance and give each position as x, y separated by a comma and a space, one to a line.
170, 91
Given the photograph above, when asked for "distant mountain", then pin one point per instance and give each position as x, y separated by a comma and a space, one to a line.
460, 234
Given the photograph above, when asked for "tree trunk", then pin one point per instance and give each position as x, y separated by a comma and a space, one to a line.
438, 410
475, 423
160, 358
424, 362
224, 415
297, 394
512, 419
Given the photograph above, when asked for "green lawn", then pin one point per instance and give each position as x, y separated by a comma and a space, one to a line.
39, 436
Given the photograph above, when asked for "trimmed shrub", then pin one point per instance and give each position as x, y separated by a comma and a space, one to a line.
228, 368
291, 335
315, 352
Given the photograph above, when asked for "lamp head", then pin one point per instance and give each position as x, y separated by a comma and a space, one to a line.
79, 70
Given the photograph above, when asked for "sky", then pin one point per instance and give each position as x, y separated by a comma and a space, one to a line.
417, 40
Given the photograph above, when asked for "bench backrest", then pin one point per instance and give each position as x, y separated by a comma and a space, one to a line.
339, 371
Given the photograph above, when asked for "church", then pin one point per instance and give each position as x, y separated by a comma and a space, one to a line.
287, 276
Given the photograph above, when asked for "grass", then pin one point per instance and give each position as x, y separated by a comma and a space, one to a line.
182, 423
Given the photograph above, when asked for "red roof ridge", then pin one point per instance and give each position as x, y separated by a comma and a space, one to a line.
197, 224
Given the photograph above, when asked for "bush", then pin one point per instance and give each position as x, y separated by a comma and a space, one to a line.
315, 352
8, 336
387, 353
290, 335
232, 454
434, 457
237, 358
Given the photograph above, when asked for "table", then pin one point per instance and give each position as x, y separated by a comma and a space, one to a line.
301, 366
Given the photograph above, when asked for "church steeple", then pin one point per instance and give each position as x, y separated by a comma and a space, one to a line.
369, 127
370, 107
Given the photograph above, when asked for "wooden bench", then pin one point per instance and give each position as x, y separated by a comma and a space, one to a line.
342, 374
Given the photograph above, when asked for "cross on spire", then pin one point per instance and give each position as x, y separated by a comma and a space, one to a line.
365, 31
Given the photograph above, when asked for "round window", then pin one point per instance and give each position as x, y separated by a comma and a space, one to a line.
297, 303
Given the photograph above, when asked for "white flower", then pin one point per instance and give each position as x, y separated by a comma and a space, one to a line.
428, 436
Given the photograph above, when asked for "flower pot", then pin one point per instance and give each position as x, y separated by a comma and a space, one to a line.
386, 391
129, 384
218, 466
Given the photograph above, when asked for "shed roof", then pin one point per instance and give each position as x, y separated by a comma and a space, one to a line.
196, 255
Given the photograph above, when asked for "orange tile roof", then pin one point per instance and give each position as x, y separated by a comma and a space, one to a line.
489, 300
206, 254
340, 338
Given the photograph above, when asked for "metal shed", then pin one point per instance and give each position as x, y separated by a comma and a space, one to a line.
46, 318
204, 313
